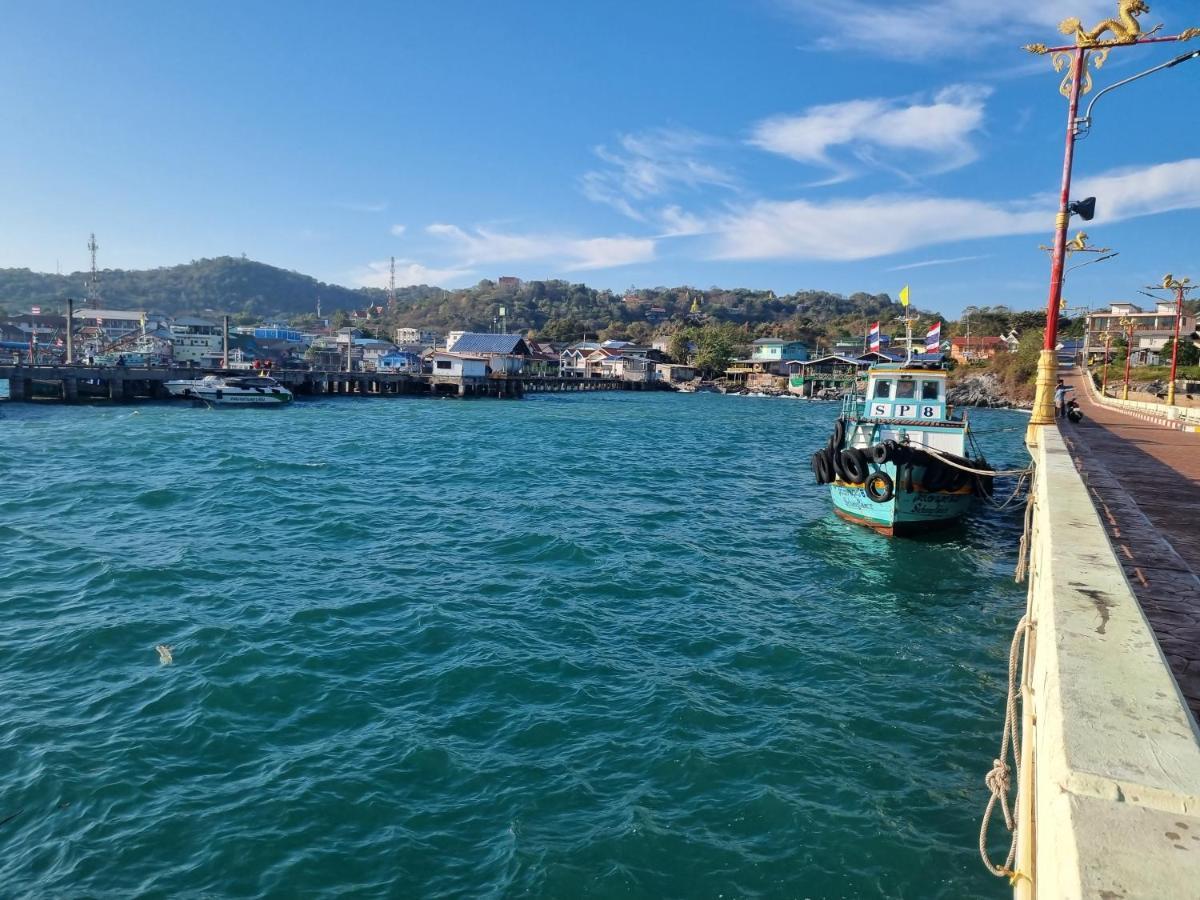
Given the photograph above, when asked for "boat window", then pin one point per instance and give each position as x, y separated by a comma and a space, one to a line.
906, 390
929, 390
883, 389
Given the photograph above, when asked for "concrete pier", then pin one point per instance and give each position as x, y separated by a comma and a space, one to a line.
1109, 795
70, 383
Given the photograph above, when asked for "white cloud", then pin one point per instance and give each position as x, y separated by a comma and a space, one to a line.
937, 28
398, 230
480, 246
362, 207
924, 264
378, 274
852, 229
649, 165
939, 131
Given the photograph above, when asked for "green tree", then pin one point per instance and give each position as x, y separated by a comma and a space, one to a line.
680, 346
714, 349
1189, 355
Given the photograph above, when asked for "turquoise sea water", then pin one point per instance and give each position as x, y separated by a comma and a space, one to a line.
603, 646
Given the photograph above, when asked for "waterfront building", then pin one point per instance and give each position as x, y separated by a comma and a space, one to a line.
417, 337
767, 368
452, 338
504, 352
110, 325
399, 361
543, 359
572, 362
1151, 329
833, 371
673, 373
608, 362
778, 350
449, 364
976, 349
196, 341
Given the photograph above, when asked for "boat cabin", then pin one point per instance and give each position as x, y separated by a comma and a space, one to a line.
906, 393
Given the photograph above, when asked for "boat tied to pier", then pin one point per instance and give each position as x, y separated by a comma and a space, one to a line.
899, 461
232, 390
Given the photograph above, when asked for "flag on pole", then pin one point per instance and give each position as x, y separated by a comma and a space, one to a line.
933, 340
904, 295
874, 337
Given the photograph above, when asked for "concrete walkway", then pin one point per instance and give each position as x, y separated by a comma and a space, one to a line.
1145, 480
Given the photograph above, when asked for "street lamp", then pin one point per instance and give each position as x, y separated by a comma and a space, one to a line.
1107, 351
1180, 286
1127, 323
1088, 47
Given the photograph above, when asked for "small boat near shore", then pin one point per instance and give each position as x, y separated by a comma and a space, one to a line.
232, 390
899, 461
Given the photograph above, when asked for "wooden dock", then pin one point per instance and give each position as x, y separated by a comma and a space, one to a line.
75, 383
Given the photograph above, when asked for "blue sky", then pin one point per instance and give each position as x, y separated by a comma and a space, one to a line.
760, 143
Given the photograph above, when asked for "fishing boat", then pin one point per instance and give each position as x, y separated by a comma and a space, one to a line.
232, 390
899, 460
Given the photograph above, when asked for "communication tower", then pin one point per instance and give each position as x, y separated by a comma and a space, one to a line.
93, 288
392, 287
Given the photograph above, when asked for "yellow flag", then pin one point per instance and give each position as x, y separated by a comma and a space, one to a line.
904, 295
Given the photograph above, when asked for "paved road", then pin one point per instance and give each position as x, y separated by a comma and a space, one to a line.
1145, 480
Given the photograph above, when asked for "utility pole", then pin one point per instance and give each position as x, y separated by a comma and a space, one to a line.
93, 290
70, 330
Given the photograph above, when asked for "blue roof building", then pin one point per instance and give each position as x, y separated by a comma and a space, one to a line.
491, 344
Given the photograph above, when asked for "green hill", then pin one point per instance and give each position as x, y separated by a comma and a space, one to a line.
552, 309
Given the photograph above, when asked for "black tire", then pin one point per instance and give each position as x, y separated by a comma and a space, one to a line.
935, 476
835, 465
854, 462
820, 467
880, 487
839, 433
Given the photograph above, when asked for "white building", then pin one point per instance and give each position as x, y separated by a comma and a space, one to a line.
452, 338
198, 341
458, 365
1151, 329
416, 337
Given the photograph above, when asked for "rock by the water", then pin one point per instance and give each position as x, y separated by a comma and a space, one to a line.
980, 390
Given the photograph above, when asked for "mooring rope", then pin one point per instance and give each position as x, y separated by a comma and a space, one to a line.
1000, 779
941, 457
1023, 550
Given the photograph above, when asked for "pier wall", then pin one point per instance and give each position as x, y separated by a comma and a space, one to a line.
1186, 418
1109, 791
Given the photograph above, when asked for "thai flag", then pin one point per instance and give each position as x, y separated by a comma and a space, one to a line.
933, 340
874, 337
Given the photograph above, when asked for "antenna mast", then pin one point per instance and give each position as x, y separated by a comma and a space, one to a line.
392, 287
93, 289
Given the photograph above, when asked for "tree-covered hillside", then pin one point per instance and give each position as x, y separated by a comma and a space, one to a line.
224, 284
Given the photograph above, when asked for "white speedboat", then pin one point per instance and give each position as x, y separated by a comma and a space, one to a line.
232, 390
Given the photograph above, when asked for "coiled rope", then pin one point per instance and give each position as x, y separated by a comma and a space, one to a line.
1000, 779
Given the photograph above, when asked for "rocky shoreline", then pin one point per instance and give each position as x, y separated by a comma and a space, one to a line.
983, 391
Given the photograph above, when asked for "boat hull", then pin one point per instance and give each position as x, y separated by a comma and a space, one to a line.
905, 513
218, 396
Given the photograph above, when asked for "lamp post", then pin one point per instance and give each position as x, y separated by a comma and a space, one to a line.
1088, 47
1107, 350
1180, 286
1128, 324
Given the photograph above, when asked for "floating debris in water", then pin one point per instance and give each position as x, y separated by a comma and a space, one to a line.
164, 654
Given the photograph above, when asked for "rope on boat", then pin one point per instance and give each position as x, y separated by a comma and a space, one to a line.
941, 457
1000, 779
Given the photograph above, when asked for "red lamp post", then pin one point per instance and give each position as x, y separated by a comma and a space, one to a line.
1181, 286
1128, 323
1107, 349
1093, 45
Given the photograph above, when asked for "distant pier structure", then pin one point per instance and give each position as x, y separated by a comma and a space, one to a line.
74, 383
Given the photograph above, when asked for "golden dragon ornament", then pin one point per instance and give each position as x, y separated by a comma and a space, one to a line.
1124, 28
